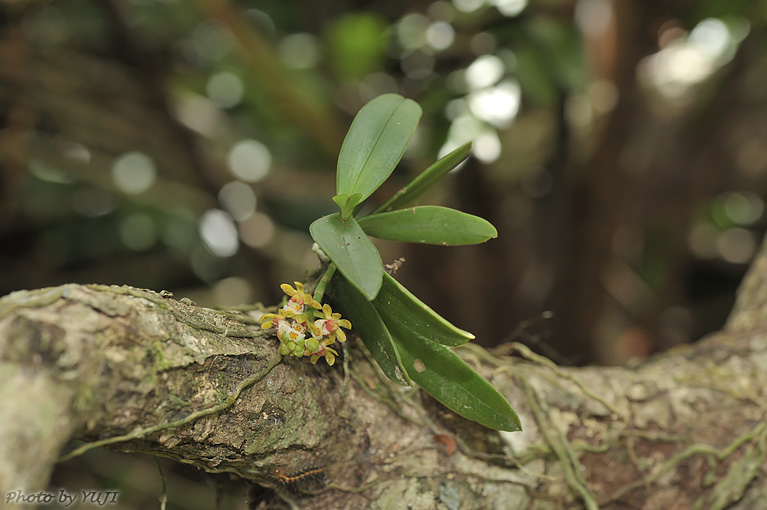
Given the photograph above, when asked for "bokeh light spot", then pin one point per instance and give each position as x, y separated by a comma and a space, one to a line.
736, 245
299, 51
249, 160
225, 89
509, 7
219, 233
743, 208
440, 35
487, 146
702, 240
197, 112
411, 30
497, 105
209, 42
257, 230
238, 198
468, 5
134, 173
232, 291
711, 37
593, 17
484, 71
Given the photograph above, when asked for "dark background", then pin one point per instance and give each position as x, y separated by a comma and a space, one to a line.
620, 148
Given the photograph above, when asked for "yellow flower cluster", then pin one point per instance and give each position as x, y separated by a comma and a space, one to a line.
295, 319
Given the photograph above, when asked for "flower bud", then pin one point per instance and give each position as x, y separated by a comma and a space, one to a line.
312, 345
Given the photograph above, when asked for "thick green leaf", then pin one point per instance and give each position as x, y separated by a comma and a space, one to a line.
426, 179
375, 143
367, 324
446, 377
345, 243
396, 304
429, 224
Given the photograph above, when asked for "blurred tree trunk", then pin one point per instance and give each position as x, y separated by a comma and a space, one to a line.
603, 188
141, 372
631, 202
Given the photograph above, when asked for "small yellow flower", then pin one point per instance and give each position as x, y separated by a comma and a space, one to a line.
295, 306
330, 326
272, 319
291, 332
328, 353
287, 289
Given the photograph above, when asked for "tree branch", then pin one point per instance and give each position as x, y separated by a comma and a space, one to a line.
141, 372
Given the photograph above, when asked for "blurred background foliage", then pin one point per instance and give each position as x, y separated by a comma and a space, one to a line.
619, 148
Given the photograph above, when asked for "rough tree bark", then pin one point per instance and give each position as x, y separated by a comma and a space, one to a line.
138, 371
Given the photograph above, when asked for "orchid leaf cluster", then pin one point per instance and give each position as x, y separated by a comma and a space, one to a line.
305, 327
409, 341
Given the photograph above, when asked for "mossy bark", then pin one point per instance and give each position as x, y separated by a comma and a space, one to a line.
138, 371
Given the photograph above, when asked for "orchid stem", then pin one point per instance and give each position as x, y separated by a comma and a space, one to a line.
319, 291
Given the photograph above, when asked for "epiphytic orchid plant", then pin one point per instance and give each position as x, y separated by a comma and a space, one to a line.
410, 342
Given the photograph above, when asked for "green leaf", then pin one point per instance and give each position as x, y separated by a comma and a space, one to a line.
429, 224
347, 203
446, 377
375, 143
345, 243
367, 324
396, 304
426, 179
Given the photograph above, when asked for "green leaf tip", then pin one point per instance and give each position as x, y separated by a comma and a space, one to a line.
447, 378
347, 203
375, 143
